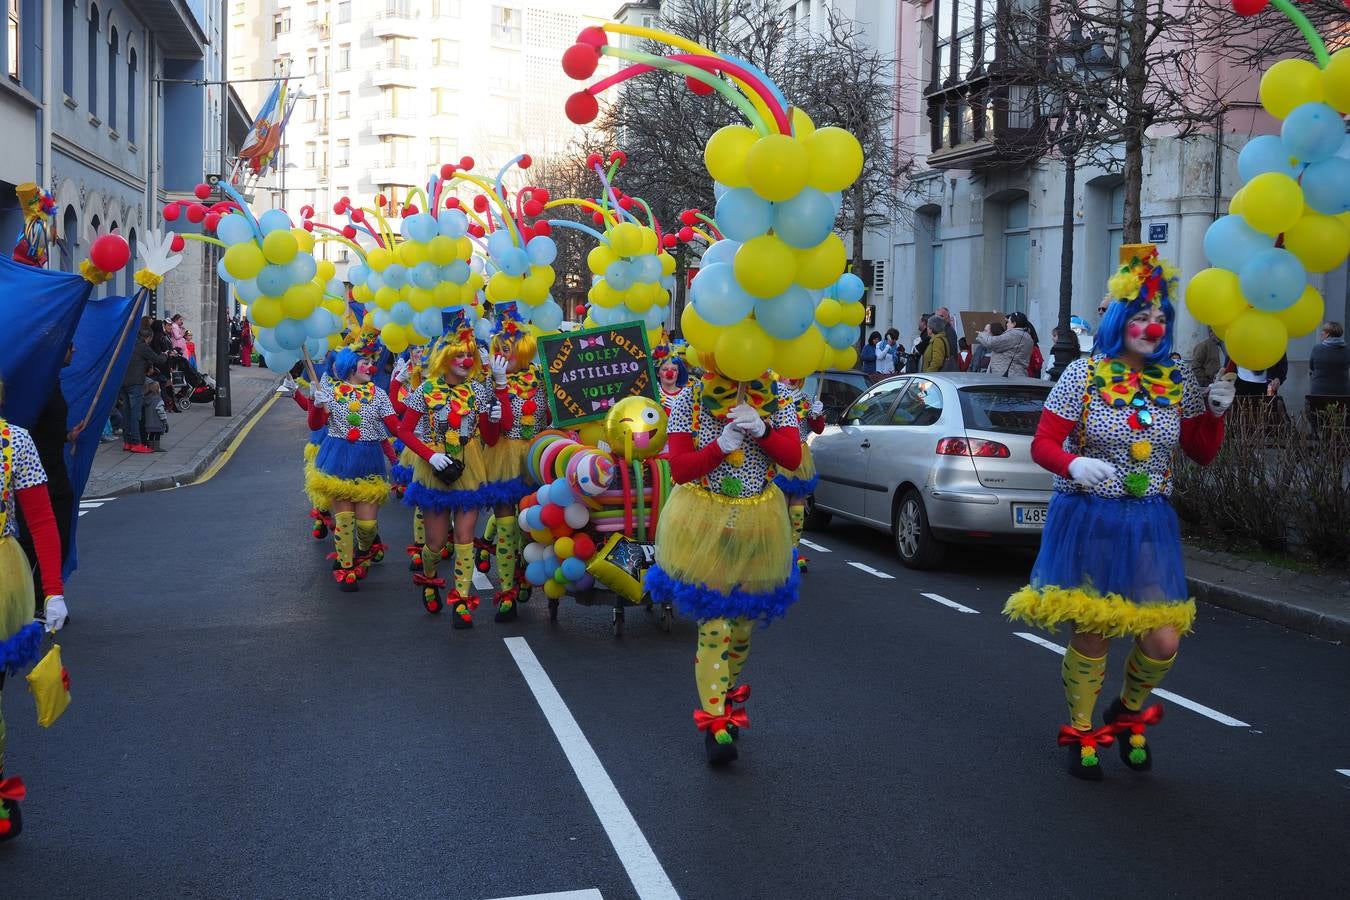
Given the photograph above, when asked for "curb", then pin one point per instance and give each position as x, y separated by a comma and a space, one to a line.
204, 458
1298, 618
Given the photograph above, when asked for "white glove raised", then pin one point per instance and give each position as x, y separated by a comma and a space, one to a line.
1090, 472
439, 461
1220, 397
817, 408
484, 358
400, 372
495, 414
747, 419
731, 438
288, 386
499, 370
56, 612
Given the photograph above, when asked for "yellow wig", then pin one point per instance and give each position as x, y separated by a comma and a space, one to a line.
460, 343
515, 344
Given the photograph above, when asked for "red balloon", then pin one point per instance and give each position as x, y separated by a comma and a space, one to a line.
581, 108
689, 217
583, 547
196, 212
410, 210
308, 226
541, 195
552, 516
533, 207
686, 234
595, 159
349, 232
580, 309
561, 531
358, 215
669, 241
543, 229
625, 203
202, 191
700, 88
1248, 8
110, 252
211, 221
580, 61
480, 203
171, 212
598, 218
593, 35
466, 163
452, 203
306, 212
525, 161
447, 170
477, 230
381, 199
177, 244
618, 157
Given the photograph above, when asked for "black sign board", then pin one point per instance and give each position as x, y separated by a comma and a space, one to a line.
1157, 233
587, 372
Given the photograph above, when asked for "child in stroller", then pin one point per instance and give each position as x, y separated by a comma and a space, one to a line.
187, 385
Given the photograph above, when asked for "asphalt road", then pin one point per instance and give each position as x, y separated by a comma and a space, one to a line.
242, 729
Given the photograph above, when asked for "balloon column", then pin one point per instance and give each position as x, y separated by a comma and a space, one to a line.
778, 182
1292, 215
570, 475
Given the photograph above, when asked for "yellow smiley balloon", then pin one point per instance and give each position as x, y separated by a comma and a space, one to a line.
636, 428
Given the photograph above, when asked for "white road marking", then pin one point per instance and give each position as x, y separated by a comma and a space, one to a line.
97, 500
91, 504
644, 869
1179, 700
938, 598
591, 894
814, 546
1345, 772
481, 582
870, 571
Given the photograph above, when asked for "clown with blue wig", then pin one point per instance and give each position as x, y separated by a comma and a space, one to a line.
1110, 562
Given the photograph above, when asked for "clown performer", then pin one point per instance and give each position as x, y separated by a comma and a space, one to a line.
507, 481
22, 479
800, 484
319, 512
723, 544
1110, 562
349, 469
409, 371
672, 375
447, 415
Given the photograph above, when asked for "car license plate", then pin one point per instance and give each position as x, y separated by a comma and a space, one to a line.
1029, 515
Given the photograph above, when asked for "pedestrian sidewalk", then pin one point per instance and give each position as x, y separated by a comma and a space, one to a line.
195, 439
1313, 604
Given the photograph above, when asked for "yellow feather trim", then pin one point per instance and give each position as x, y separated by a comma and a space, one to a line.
149, 280
93, 274
321, 486
1110, 614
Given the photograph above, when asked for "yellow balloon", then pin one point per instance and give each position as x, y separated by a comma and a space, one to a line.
1305, 315
1235, 205
802, 126
379, 259
836, 158
543, 273
639, 299
534, 289
725, 153
603, 295
463, 248
446, 294
1214, 297
410, 253
244, 261
325, 272
800, 356
421, 299
765, 266
821, 265
1336, 81
1289, 83
777, 167
853, 314
386, 297
304, 240
334, 341
297, 302
265, 312
542, 536
590, 433
1272, 202
362, 293
696, 331
280, 247
553, 589
828, 312
1320, 242
334, 305
845, 359
441, 250
625, 239
667, 263
744, 352
650, 242
396, 337
1256, 339
504, 287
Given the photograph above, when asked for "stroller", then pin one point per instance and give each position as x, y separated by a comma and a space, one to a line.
188, 386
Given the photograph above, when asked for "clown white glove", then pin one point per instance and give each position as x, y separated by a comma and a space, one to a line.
499, 370
732, 438
56, 612
439, 461
495, 414
817, 408
747, 419
484, 358
400, 372
288, 386
1220, 397
1090, 472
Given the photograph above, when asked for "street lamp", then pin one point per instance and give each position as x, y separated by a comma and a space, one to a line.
1071, 110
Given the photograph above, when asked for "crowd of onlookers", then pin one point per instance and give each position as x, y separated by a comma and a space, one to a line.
161, 378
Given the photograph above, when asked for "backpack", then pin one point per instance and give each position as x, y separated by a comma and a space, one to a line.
1034, 367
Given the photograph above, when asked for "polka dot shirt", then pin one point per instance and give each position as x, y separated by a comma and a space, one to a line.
373, 413
756, 471
27, 472
416, 400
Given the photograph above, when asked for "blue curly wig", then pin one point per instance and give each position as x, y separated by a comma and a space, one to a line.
344, 363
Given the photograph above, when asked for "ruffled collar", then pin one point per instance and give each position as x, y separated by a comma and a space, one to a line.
1119, 385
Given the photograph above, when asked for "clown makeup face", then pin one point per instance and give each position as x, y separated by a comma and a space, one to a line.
460, 365
1145, 331
365, 370
669, 373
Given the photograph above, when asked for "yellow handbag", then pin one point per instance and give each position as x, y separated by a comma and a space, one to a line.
50, 683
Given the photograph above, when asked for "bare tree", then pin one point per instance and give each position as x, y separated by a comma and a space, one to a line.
1254, 42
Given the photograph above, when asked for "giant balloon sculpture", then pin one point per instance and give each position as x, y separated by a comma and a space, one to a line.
769, 295
1292, 215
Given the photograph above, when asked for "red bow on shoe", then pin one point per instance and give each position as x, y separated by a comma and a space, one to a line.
738, 694
428, 581
13, 789
709, 722
1137, 721
1104, 736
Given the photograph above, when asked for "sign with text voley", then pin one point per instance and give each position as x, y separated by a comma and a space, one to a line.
587, 372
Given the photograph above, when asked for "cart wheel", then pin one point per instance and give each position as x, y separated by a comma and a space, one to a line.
185, 404
552, 610
667, 617
618, 621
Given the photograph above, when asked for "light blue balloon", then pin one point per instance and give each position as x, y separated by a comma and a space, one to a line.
395, 276
1326, 186
840, 336
335, 288
542, 250
788, 315
498, 243
247, 290
281, 361
1312, 132
573, 568
514, 261
375, 281
422, 227
603, 315
718, 190
668, 282
380, 317
319, 324
453, 223
560, 493
849, 288
619, 274
1265, 154
428, 323
290, 334
721, 252
624, 315
358, 273
1273, 279
646, 267
483, 330
402, 312
1230, 242
548, 315
273, 280
426, 275
303, 268
655, 317
804, 220
836, 200
234, 229
272, 220
534, 573
316, 347
742, 214
456, 272
224, 273
265, 340
718, 298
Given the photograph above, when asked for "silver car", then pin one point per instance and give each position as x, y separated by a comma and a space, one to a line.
935, 459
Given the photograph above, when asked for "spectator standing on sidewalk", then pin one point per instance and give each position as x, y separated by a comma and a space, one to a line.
178, 334
245, 344
133, 391
869, 355
1329, 365
940, 354
887, 351
1207, 358
1009, 352
191, 351
952, 342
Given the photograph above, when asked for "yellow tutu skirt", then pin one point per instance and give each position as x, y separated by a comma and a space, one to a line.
802, 481
722, 557
505, 460
434, 496
20, 636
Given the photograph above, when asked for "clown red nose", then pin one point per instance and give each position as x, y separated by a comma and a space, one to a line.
1154, 331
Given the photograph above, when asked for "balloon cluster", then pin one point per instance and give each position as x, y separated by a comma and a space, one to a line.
556, 557
1291, 217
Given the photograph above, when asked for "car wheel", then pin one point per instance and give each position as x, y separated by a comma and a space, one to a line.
914, 541
817, 519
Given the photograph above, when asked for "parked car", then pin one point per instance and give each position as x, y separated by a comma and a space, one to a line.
837, 389
936, 459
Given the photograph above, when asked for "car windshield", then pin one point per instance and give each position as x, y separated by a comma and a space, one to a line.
1011, 409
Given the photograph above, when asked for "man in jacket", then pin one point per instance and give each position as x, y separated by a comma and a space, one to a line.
133, 391
953, 343
939, 351
1329, 365
1207, 358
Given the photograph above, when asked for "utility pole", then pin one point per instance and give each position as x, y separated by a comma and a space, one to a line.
223, 404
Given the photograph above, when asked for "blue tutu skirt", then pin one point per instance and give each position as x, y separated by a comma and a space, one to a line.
1112, 566
353, 471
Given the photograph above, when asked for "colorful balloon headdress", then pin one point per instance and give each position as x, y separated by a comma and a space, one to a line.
38, 206
1142, 273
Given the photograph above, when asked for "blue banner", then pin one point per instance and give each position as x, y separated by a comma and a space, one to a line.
103, 344
39, 310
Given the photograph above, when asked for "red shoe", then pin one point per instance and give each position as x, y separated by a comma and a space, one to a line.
506, 606
431, 592
141, 448
347, 580
461, 608
414, 552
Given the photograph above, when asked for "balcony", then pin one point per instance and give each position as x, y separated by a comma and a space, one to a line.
394, 124
395, 71
397, 20
177, 29
397, 171
982, 124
